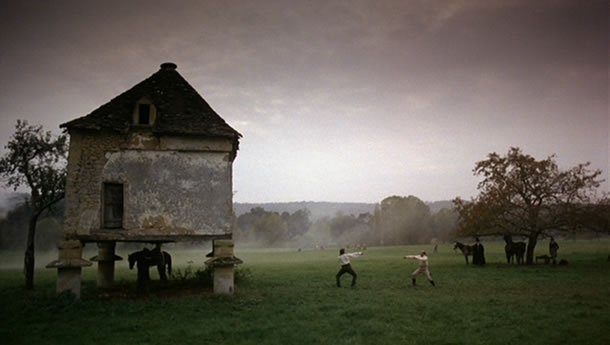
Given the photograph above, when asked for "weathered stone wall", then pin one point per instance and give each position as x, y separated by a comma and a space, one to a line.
170, 192
86, 161
172, 185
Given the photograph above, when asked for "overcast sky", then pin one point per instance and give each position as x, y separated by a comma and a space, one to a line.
336, 100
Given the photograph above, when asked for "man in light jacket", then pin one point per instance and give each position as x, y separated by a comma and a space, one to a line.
423, 266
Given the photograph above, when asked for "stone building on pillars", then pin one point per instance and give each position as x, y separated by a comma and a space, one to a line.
153, 165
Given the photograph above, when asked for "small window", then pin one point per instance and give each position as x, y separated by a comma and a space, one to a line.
113, 206
143, 114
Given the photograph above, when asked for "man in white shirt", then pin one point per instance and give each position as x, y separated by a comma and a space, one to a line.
346, 267
423, 266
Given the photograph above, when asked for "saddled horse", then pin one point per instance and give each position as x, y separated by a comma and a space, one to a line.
467, 250
145, 258
513, 249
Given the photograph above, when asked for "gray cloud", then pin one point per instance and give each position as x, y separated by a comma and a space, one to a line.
337, 100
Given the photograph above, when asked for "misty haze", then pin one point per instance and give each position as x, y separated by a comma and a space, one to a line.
316, 172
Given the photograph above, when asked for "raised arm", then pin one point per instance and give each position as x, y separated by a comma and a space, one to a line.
414, 257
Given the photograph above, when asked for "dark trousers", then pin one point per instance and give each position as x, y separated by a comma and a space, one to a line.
346, 269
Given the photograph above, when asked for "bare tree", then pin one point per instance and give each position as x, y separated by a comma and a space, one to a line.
37, 160
524, 196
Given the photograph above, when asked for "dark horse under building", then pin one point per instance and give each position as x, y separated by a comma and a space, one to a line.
145, 258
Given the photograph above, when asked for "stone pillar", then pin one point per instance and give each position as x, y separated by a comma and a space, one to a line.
69, 267
223, 248
105, 263
224, 280
223, 264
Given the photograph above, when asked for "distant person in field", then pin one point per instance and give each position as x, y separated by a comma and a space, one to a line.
553, 248
423, 266
346, 266
478, 253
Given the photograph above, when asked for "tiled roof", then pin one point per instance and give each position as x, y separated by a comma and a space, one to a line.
180, 109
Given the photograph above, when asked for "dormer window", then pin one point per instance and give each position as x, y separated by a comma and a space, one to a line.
145, 113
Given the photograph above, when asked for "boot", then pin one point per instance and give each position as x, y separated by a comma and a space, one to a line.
413, 281
432, 282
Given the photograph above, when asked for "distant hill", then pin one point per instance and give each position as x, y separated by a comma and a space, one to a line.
326, 209
318, 209
436, 206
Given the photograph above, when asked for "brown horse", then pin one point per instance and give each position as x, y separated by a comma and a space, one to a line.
513, 249
466, 250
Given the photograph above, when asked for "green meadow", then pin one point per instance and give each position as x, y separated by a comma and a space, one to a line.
285, 296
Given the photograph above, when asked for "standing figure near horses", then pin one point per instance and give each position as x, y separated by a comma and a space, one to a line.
478, 253
553, 248
513, 249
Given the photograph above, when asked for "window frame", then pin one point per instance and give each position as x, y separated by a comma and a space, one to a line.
112, 223
152, 113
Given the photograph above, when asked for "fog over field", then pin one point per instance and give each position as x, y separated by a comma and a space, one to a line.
10, 200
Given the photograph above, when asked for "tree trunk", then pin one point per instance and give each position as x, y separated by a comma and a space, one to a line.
28, 261
531, 245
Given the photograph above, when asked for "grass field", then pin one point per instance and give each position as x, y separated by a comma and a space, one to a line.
289, 297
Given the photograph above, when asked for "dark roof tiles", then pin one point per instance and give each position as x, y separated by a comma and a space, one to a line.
180, 109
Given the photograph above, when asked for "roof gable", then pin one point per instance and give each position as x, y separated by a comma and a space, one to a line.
180, 109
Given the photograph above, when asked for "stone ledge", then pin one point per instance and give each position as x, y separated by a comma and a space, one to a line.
68, 263
224, 261
116, 258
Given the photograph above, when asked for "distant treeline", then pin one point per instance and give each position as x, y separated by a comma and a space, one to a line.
396, 220
317, 209
321, 209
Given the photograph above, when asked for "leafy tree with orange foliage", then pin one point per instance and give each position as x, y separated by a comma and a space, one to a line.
524, 196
